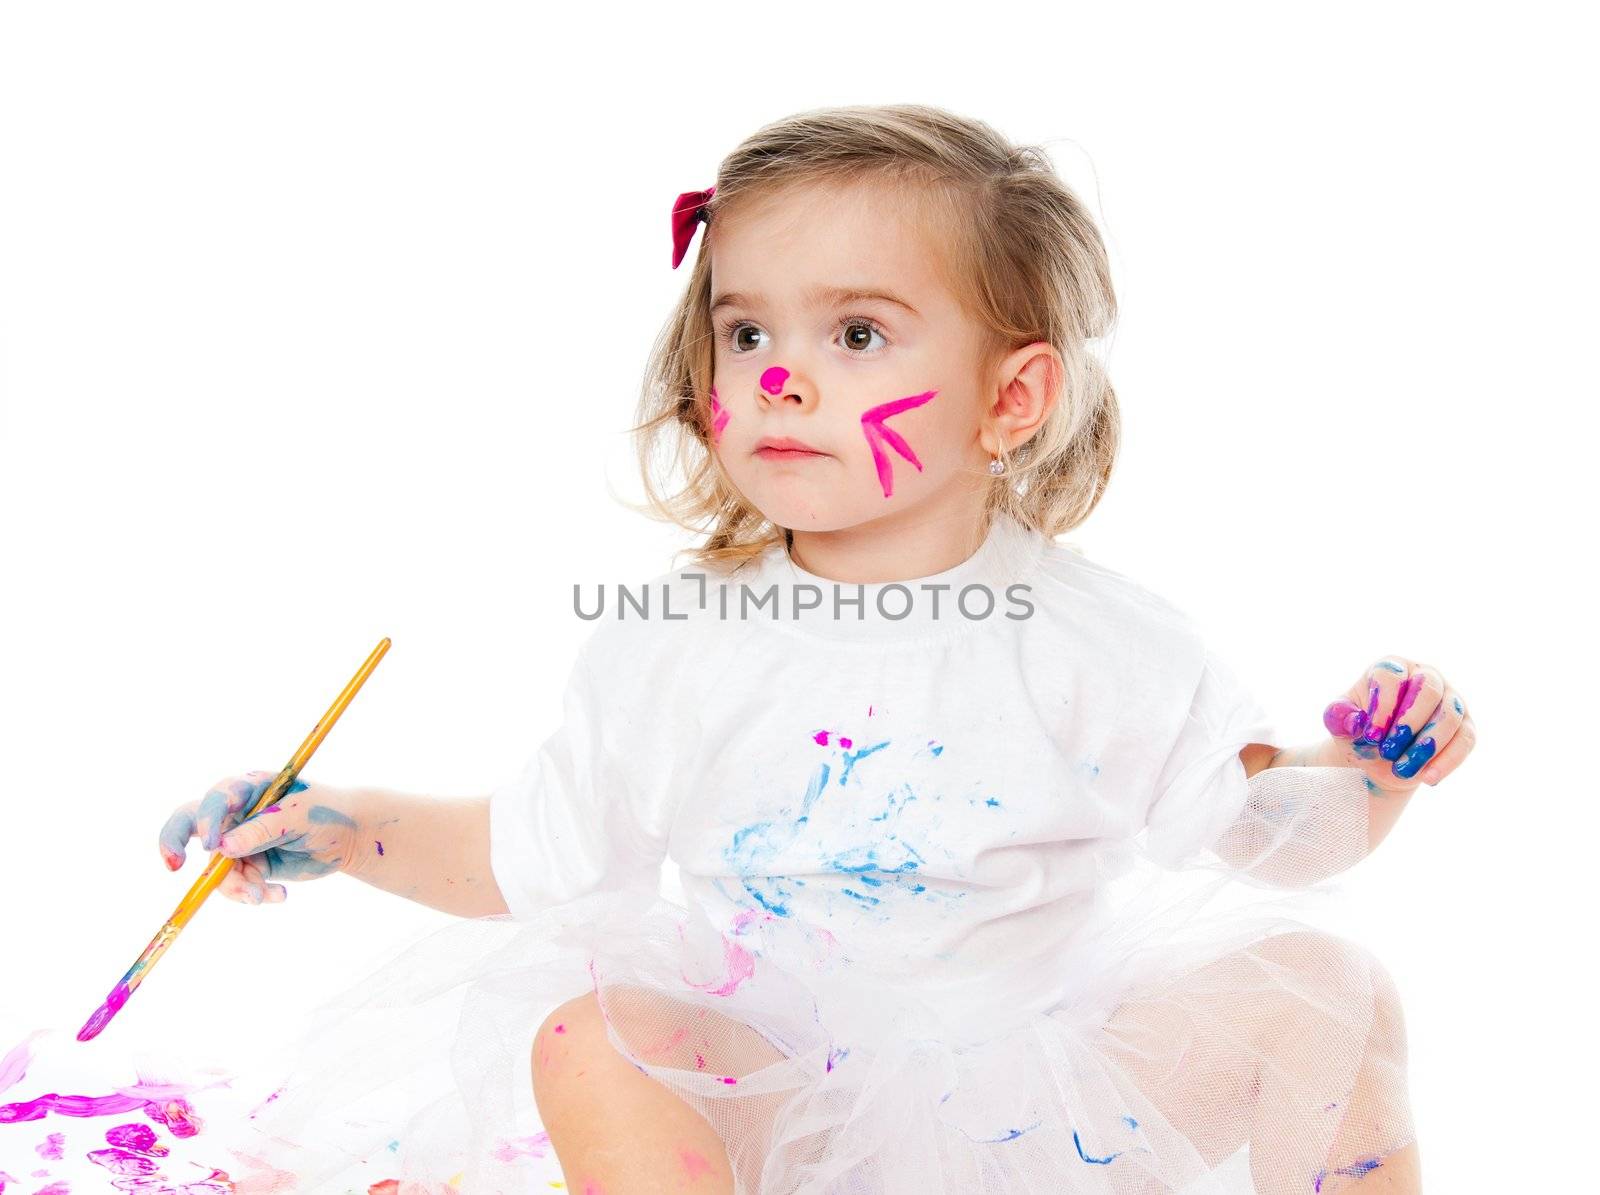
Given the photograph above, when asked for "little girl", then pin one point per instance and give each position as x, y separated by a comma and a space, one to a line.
946, 796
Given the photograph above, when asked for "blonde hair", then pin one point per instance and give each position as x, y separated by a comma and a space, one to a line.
1024, 259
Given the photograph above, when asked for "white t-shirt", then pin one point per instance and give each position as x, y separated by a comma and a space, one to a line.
938, 795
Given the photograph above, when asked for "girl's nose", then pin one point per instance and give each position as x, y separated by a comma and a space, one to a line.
772, 380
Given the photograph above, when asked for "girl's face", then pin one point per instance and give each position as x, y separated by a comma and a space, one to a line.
846, 382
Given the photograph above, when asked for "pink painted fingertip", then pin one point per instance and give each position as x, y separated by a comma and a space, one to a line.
1342, 719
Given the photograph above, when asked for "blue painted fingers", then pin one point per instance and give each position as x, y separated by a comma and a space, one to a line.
305, 834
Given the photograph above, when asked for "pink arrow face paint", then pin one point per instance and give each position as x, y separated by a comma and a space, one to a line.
719, 417
772, 380
879, 433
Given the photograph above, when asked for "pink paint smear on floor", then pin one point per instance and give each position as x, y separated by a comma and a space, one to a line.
159, 1146
130, 1155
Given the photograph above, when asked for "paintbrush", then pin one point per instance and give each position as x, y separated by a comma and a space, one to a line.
220, 863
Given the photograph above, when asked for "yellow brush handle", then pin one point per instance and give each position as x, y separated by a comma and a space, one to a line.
220, 863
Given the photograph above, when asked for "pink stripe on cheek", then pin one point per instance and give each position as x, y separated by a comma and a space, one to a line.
719, 417
772, 380
878, 433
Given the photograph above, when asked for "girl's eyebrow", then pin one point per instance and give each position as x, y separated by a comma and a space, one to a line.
818, 294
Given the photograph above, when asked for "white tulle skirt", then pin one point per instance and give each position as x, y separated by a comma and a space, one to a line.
1204, 1039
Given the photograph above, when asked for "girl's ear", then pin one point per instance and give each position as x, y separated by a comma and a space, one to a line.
1028, 385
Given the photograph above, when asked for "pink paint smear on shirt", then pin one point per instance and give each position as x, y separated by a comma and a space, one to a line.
742, 919
739, 963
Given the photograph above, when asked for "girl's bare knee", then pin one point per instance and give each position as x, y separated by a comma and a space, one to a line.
610, 1122
569, 1035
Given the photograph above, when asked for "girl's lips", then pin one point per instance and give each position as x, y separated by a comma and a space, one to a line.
787, 454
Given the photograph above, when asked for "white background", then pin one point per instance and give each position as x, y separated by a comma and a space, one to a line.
324, 322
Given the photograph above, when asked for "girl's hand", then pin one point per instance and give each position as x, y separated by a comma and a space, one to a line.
307, 833
1399, 719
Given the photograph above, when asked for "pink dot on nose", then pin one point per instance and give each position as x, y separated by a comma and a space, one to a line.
773, 379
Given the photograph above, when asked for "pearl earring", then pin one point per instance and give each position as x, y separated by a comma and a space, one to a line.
995, 467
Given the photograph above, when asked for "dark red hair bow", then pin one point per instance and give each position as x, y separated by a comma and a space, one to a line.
687, 213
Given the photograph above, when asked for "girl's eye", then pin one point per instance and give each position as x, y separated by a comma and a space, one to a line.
734, 336
857, 336
867, 330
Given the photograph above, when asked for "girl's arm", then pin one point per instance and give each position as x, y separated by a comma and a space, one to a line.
1384, 806
433, 850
